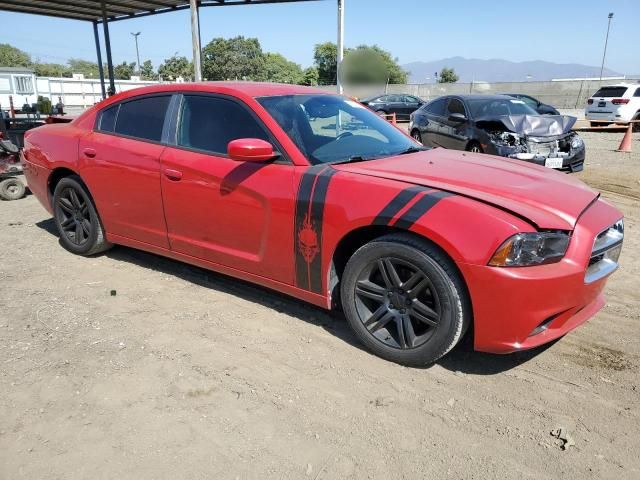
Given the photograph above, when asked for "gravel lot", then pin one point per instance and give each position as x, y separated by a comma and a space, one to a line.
185, 373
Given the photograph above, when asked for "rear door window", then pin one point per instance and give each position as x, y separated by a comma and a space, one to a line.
209, 123
142, 118
608, 92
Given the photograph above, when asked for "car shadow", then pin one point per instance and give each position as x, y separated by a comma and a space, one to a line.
461, 359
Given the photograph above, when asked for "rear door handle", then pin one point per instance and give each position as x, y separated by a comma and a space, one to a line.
172, 174
89, 152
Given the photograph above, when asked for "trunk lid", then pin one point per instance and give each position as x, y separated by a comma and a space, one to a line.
546, 198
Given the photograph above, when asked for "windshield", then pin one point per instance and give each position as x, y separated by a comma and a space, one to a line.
331, 128
481, 107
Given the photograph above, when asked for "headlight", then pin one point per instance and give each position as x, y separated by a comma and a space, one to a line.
528, 249
576, 142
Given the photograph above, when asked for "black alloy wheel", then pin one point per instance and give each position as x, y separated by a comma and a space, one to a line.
397, 303
405, 299
78, 223
72, 213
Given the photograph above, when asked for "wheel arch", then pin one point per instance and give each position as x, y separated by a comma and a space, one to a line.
360, 236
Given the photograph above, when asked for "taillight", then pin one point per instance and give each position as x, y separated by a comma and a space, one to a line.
590, 101
620, 101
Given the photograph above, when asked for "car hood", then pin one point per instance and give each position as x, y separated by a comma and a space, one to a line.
546, 198
535, 125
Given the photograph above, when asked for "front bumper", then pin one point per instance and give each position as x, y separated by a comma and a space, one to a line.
572, 162
521, 308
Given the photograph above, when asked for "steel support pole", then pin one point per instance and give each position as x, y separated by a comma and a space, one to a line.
195, 40
107, 44
99, 55
340, 44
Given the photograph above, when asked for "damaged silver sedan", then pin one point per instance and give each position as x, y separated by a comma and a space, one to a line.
499, 125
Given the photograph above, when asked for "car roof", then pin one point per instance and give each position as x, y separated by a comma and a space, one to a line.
480, 97
251, 89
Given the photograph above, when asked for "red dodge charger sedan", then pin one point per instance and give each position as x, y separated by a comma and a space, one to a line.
314, 195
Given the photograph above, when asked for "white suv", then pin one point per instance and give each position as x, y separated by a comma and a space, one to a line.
614, 104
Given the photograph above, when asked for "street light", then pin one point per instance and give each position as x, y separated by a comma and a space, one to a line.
606, 40
135, 35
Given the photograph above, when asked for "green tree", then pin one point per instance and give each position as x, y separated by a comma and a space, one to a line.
310, 76
448, 75
371, 65
237, 58
147, 72
11, 56
325, 57
124, 71
280, 70
88, 69
52, 70
175, 67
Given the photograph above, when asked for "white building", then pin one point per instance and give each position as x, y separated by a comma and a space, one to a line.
76, 93
19, 83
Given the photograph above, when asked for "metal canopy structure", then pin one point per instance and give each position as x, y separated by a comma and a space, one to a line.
104, 12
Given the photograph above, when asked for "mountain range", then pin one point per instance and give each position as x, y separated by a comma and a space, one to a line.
498, 70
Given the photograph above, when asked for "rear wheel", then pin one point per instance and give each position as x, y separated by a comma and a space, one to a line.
636, 125
405, 300
78, 223
11, 189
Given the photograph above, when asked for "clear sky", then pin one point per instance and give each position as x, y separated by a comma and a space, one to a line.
563, 31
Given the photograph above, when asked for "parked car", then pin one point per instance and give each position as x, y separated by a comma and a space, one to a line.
400, 104
499, 125
260, 182
614, 104
537, 105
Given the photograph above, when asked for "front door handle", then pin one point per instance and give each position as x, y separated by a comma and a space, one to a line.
172, 174
89, 152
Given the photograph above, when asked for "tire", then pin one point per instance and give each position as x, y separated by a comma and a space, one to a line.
80, 228
636, 126
416, 135
11, 189
474, 147
415, 319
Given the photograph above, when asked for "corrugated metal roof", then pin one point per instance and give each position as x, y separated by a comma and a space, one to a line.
90, 10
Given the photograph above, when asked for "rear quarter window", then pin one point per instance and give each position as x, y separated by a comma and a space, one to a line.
107, 120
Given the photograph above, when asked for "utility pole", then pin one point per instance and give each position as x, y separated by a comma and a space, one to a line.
606, 40
340, 44
135, 35
195, 40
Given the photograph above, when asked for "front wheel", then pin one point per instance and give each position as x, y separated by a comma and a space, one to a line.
416, 135
405, 300
77, 220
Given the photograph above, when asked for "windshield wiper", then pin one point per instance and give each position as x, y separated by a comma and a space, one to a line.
412, 149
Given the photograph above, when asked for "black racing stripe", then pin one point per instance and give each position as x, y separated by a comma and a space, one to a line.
396, 204
418, 209
317, 213
309, 217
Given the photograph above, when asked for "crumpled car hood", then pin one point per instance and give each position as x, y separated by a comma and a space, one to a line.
534, 125
548, 199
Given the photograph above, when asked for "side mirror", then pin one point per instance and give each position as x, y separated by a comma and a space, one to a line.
457, 117
250, 150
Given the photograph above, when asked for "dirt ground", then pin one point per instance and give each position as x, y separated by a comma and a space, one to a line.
185, 373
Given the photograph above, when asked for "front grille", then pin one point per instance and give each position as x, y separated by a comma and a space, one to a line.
605, 252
